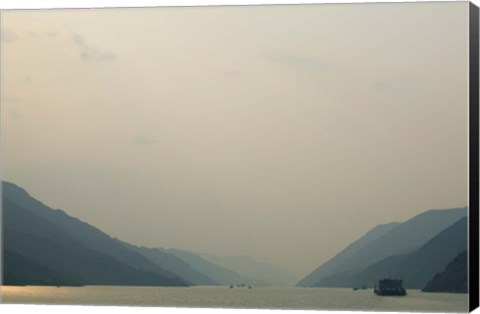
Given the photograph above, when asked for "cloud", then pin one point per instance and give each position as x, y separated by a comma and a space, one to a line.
303, 62
92, 56
12, 107
141, 140
8, 35
48, 34
89, 53
78, 39
27, 80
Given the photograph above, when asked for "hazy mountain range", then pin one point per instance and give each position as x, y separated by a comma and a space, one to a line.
173, 263
414, 251
78, 253
254, 272
335, 264
44, 246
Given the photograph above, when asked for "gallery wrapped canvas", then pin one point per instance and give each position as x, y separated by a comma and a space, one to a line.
297, 157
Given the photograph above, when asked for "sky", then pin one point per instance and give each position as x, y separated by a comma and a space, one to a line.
283, 133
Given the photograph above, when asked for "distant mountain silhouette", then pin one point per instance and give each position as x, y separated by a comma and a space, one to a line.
454, 278
172, 263
389, 240
257, 273
415, 268
334, 264
220, 274
68, 250
82, 232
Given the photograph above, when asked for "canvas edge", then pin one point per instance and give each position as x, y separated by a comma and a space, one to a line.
474, 158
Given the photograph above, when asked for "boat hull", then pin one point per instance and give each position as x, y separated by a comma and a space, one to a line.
390, 287
400, 292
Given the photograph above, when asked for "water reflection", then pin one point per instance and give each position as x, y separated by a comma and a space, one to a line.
223, 297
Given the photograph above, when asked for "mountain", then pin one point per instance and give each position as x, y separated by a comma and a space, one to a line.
415, 268
257, 273
172, 263
68, 250
402, 238
84, 233
333, 265
454, 278
219, 274
20, 271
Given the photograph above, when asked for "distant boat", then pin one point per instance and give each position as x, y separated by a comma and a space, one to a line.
390, 287
242, 285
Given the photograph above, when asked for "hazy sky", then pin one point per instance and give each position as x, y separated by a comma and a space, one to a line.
279, 132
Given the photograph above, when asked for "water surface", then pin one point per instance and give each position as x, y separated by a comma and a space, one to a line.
223, 297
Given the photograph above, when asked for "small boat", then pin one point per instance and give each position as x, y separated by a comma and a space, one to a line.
390, 287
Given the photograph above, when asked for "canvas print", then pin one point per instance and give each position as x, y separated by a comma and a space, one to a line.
309, 157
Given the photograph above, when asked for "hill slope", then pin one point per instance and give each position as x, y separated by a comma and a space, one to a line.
453, 279
333, 265
73, 250
220, 274
20, 270
415, 268
401, 239
173, 264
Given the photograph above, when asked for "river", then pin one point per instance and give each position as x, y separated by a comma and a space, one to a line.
242, 298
